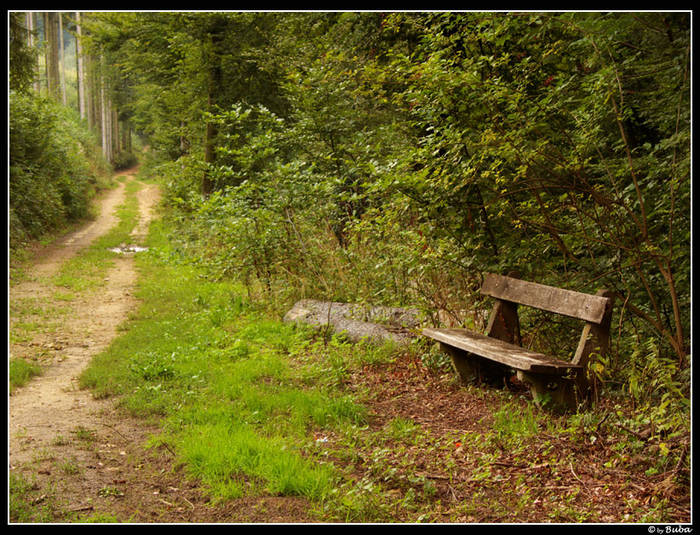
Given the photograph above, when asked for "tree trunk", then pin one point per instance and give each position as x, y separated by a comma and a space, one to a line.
46, 52
52, 55
103, 116
80, 67
30, 42
62, 59
126, 136
209, 154
115, 132
213, 90
95, 96
109, 128
89, 92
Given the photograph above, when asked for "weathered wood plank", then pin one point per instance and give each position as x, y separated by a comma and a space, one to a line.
511, 355
579, 305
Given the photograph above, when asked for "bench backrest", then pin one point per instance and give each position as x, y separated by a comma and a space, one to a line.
587, 307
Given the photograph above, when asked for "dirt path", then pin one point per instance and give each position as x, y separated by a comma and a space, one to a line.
83, 457
59, 436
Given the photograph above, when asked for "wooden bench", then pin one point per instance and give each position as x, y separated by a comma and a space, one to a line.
493, 357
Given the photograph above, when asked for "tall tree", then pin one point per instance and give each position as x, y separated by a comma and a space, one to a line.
31, 41
103, 110
214, 38
62, 58
80, 66
22, 52
52, 54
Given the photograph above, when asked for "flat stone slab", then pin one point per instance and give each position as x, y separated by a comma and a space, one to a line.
358, 321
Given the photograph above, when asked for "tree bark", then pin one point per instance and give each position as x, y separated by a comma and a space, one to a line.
209, 154
89, 92
103, 115
213, 90
52, 55
30, 42
62, 59
116, 145
126, 136
80, 67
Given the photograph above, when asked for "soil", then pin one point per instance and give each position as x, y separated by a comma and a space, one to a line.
86, 458
439, 404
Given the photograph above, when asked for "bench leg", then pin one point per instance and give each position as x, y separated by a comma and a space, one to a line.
560, 391
586, 390
473, 369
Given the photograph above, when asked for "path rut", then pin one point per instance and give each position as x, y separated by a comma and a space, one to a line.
52, 423
84, 457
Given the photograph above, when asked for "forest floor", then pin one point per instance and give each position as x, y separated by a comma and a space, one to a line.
66, 443
81, 459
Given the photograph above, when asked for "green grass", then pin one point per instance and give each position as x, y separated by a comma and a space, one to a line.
21, 372
28, 502
515, 422
87, 269
69, 467
97, 518
237, 459
238, 394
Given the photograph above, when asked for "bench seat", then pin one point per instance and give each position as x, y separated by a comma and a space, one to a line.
511, 355
492, 357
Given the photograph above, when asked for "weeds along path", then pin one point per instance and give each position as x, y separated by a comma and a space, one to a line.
55, 429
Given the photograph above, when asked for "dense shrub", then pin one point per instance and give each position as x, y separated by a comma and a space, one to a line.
396, 157
54, 167
124, 160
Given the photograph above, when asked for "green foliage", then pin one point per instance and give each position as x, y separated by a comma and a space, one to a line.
395, 158
659, 389
532, 133
513, 424
23, 496
54, 166
124, 160
23, 58
21, 372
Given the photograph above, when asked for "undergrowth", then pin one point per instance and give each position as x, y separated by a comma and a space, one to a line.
252, 406
217, 373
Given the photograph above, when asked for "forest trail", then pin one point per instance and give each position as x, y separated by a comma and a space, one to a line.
87, 461
83, 457
59, 436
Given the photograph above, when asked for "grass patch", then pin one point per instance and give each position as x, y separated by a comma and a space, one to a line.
223, 379
28, 502
87, 269
238, 459
21, 372
97, 518
404, 429
69, 467
513, 423
64, 296
85, 435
